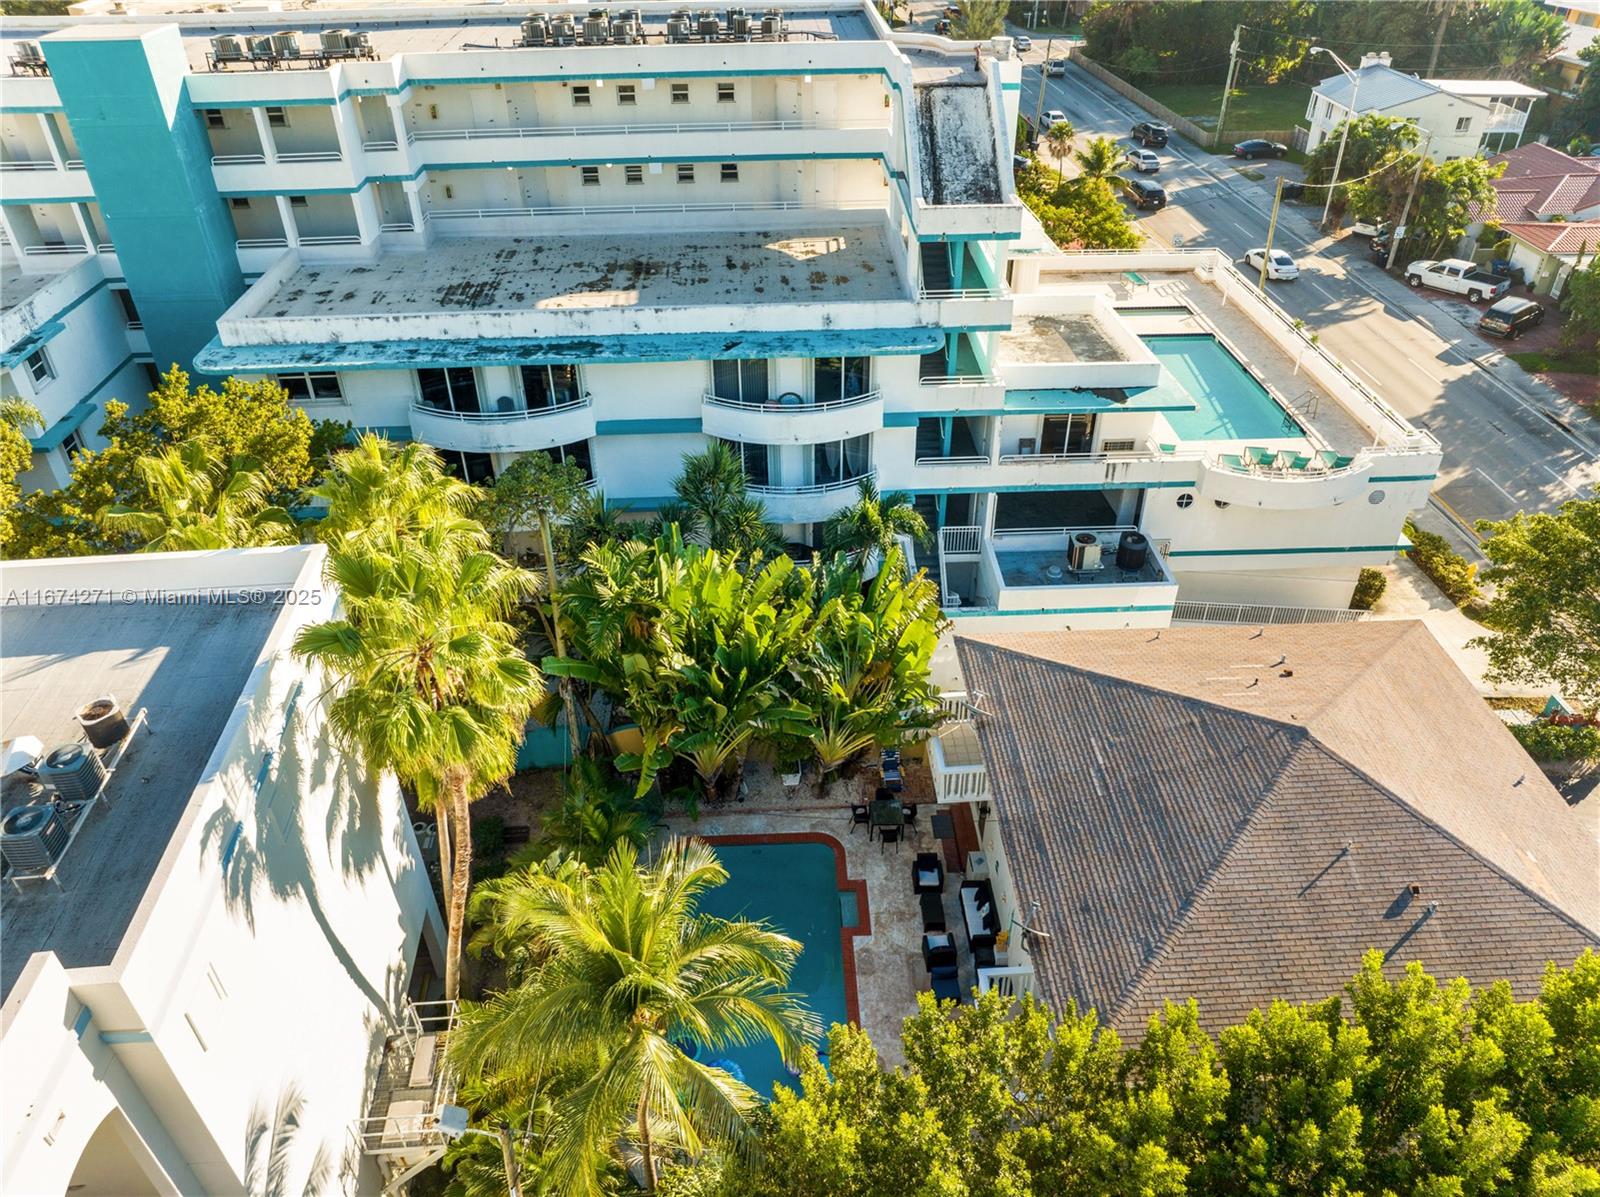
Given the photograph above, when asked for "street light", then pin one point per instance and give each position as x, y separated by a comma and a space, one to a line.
1338, 160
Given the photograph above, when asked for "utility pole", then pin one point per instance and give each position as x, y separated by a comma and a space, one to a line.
1044, 81
1438, 35
1272, 227
513, 1181
1398, 231
1227, 88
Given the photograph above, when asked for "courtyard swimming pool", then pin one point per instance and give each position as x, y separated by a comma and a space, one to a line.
795, 887
1231, 404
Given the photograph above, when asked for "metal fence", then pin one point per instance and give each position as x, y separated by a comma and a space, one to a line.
1251, 613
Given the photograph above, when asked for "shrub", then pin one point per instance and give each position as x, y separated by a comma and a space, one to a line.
488, 837
1447, 569
1369, 589
1490, 235
1559, 742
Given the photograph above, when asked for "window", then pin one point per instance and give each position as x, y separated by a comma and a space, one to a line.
680, 93
1463, 124
215, 119
549, 386
38, 363
453, 390
1066, 434
239, 203
591, 175
299, 201
581, 97
742, 382
834, 378
1185, 500
308, 387
730, 172
627, 94
72, 444
278, 118
841, 461
756, 460
686, 172
129, 312
577, 453
477, 468
633, 175
724, 93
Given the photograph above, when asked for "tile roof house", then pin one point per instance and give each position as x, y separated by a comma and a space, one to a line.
1548, 252
1239, 813
1540, 182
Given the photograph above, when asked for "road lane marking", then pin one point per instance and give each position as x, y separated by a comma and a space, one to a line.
1497, 486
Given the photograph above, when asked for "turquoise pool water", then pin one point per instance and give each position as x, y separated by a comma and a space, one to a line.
1230, 404
793, 887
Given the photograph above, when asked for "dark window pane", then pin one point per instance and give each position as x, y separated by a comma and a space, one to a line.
434, 388
577, 453
754, 374
827, 379
725, 380
464, 389
857, 376
326, 386
756, 469
827, 463
296, 385
564, 384
536, 387
857, 456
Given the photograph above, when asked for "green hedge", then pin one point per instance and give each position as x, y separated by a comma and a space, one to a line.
1448, 569
1369, 589
1559, 742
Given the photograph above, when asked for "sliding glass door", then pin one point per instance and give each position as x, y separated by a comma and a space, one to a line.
549, 386
841, 461
741, 382
836, 378
454, 389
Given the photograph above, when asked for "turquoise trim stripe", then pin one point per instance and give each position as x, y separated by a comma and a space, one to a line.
645, 427
81, 1023
113, 1038
1359, 548
1404, 478
959, 614
908, 419
52, 437
1036, 487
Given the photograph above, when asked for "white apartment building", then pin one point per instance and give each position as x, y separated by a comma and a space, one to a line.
212, 926
1464, 116
789, 229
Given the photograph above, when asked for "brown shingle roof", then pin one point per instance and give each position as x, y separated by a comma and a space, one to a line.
1194, 823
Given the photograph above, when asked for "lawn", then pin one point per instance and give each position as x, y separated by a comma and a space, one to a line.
1545, 361
1257, 107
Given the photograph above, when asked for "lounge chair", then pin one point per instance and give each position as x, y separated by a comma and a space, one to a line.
927, 873
945, 983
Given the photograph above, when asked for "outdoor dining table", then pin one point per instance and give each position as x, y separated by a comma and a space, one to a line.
886, 812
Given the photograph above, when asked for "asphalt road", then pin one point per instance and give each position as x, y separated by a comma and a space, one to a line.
1505, 449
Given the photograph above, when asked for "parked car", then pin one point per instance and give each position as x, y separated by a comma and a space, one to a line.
1370, 227
1020, 163
1051, 118
1142, 193
1144, 161
1457, 276
1056, 68
952, 10
1256, 147
1280, 266
942, 27
1511, 317
1022, 42
1151, 133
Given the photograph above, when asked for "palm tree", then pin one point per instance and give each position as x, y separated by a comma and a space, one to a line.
1059, 137
629, 973
430, 680
378, 492
869, 529
1100, 160
714, 506
201, 505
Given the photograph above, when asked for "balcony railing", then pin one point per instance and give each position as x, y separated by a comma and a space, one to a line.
379, 147
501, 417
630, 130
54, 250
28, 164
964, 293
309, 156
238, 159
961, 540
1012, 981
817, 488
646, 209
797, 408
263, 243
332, 239
413, 1086
959, 380
1251, 613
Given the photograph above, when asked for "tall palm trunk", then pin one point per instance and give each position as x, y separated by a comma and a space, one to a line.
645, 1149
455, 797
442, 819
562, 684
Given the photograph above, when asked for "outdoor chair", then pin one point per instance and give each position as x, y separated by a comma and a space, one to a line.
927, 873
858, 818
889, 766
911, 815
938, 949
945, 983
889, 835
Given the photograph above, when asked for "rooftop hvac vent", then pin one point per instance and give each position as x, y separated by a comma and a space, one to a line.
103, 722
261, 46
74, 771
627, 26
286, 44
772, 24
739, 24
227, 48
596, 27
334, 39
680, 26
563, 30
33, 837
707, 25
535, 30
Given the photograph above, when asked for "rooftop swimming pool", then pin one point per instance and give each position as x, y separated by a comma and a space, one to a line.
1231, 404
795, 887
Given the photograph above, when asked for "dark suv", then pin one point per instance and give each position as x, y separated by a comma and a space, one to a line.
1143, 193
1149, 133
1510, 317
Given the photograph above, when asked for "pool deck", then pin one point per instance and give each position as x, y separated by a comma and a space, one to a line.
888, 965
1311, 405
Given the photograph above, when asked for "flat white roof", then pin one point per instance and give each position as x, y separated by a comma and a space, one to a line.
1487, 88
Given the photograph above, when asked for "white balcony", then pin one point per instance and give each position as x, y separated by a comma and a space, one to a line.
808, 504
1107, 470
792, 423
519, 431
955, 759
1505, 118
403, 1129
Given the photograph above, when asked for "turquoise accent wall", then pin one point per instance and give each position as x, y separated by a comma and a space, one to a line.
150, 162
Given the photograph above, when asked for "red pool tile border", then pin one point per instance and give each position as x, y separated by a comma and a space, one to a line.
841, 875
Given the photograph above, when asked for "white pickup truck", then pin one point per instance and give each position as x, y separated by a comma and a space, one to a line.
1459, 277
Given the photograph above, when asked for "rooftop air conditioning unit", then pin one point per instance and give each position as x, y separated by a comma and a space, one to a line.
227, 48
1084, 552
33, 837
535, 30
286, 44
74, 771
625, 29
563, 30
596, 27
335, 39
358, 41
739, 24
772, 24
707, 25
261, 47
680, 26
29, 52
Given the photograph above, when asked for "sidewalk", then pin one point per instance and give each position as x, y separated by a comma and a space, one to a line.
1410, 595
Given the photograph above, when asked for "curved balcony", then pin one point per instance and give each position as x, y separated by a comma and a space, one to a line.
795, 423
808, 504
503, 431
1315, 485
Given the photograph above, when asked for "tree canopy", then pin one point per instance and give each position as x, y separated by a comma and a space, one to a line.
1545, 570
1078, 213
1448, 195
18, 417
1401, 1085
